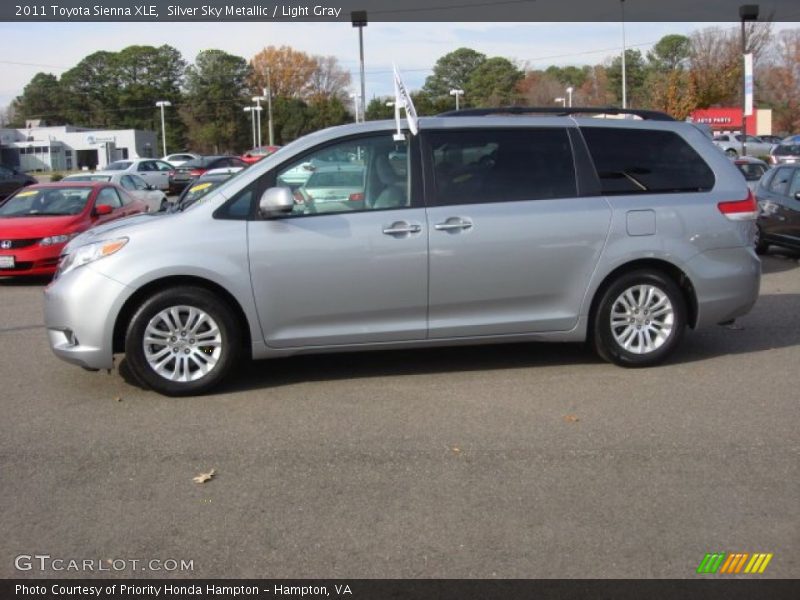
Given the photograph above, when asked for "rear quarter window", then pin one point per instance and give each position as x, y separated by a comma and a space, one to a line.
641, 161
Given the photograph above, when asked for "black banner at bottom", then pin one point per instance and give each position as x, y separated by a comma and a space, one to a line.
405, 589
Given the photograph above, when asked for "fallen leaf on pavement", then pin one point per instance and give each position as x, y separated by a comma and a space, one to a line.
571, 418
203, 477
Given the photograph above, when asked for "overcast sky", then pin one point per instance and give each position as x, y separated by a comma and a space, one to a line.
415, 47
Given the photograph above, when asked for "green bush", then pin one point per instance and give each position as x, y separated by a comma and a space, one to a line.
56, 176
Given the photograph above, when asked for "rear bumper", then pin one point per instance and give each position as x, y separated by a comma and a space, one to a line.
80, 309
726, 283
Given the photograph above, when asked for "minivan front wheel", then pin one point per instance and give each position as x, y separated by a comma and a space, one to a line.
182, 341
639, 320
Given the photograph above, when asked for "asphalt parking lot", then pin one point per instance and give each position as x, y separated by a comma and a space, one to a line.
518, 461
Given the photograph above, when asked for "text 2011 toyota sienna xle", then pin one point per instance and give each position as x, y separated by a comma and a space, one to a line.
481, 228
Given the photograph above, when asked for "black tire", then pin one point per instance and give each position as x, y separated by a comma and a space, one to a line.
760, 244
603, 334
731, 153
225, 352
163, 205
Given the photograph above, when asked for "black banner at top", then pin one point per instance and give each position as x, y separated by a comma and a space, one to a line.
392, 10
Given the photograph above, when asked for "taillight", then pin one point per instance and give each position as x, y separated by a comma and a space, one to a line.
298, 198
740, 210
358, 197
196, 172
172, 173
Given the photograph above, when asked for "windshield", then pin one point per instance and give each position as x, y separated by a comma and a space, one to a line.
88, 178
752, 171
46, 202
787, 149
120, 165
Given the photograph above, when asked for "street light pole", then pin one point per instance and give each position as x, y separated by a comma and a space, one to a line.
457, 93
268, 93
162, 104
250, 109
359, 19
624, 79
355, 105
747, 12
569, 96
258, 109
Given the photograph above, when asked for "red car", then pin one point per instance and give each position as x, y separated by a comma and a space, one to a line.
38, 220
256, 154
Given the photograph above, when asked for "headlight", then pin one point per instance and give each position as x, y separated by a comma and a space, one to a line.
83, 255
52, 240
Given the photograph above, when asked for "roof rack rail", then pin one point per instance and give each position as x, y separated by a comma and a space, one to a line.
650, 115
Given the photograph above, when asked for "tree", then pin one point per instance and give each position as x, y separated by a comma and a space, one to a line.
716, 61
635, 76
120, 89
494, 83
778, 83
216, 92
285, 71
377, 109
453, 71
673, 93
670, 52
540, 88
91, 90
569, 76
42, 99
328, 80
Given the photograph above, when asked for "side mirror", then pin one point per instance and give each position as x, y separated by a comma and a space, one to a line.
150, 187
276, 201
102, 209
797, 195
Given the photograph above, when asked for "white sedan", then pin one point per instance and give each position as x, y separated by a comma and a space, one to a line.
133, 184
176, 160
153, 170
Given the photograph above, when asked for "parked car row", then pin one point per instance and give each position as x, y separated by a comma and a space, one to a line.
182, 176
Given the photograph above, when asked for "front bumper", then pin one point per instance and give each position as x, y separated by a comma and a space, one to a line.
32, 260
80, 310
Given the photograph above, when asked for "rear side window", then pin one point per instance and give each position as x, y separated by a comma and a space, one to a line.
640, 161
491, 165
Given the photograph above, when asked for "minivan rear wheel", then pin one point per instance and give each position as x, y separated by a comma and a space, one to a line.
182, 341
639, 320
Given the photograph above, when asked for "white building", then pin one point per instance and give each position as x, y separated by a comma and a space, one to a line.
66, 148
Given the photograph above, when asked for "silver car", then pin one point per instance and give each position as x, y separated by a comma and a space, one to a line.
496, 229
739, 145
133, 184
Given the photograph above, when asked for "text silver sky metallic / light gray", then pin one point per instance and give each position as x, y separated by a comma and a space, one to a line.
481, 229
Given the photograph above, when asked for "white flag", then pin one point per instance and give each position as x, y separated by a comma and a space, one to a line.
403, 98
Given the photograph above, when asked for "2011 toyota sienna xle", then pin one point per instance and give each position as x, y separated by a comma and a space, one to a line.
480, 228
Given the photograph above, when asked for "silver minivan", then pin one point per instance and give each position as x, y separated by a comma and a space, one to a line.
480, 228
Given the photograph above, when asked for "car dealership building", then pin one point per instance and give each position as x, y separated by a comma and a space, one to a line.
66, 147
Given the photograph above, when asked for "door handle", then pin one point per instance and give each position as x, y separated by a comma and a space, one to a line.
401, 227
453, 225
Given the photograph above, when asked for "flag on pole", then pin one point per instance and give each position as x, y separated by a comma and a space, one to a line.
403, 98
